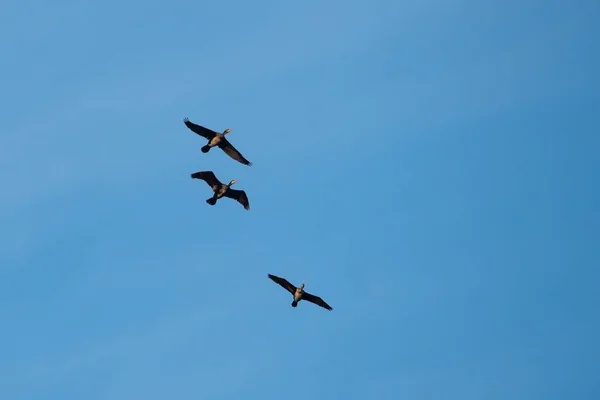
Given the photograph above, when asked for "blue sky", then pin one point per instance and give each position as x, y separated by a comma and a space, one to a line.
430, 168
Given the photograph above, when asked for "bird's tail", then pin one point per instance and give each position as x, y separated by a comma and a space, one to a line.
205, 149
212, 201
294, 303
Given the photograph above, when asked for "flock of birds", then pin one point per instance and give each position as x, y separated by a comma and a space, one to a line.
221, 190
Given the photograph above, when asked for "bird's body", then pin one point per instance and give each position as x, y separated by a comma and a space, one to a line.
221, 190
216, 139
298, 296
299, 293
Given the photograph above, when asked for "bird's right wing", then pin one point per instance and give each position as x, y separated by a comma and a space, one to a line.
200, 130
208, 177
284, 283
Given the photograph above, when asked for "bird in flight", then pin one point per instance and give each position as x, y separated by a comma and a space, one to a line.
299, 293
220, 189
216, 139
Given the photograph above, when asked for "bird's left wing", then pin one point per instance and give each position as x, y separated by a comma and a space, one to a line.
233, 152
240, 196
316, 300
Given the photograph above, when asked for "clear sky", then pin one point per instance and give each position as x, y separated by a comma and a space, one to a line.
429, 168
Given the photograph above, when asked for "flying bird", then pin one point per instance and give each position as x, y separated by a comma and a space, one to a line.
221, 190
299, 293
216, 139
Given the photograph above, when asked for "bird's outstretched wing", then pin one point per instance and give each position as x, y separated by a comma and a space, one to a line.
284, 283
208, 177
316, 300
233, 152
200, 130
240, 196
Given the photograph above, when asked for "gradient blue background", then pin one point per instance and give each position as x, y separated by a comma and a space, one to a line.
430, 168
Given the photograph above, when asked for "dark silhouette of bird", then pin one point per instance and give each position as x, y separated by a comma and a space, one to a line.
221, 190
216, 139
299, 293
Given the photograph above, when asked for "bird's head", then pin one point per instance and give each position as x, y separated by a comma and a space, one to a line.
232, 182
226, 131
302, 286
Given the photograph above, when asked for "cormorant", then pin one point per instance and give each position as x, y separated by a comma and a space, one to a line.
216, 139
299, 293
221, 190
